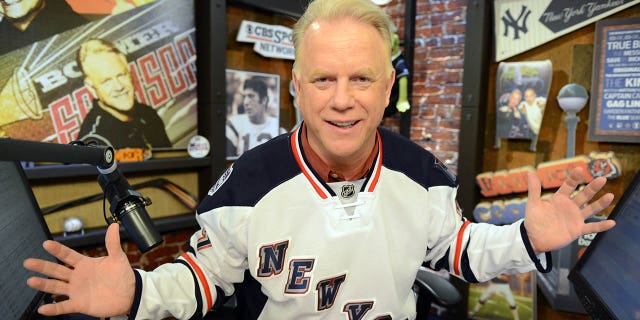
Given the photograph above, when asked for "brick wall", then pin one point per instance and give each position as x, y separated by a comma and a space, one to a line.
435, 104
172, 246
437, 74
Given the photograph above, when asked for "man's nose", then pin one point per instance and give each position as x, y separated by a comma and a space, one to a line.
343, 95
119, 84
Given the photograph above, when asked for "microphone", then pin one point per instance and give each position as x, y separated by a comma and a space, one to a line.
128, 207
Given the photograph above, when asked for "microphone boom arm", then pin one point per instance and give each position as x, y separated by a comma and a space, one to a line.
25, 150
127, 205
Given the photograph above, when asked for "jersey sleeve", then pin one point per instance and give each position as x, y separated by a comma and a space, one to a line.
198, 281
478, 252
216, 258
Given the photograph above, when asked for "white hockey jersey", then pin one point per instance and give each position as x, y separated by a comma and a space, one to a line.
245, 135
291, 247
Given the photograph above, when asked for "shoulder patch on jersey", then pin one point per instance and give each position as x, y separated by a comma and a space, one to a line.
203, 241
223, 178
443, 168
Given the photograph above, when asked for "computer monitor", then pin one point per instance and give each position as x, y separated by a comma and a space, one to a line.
22, 231
607, 276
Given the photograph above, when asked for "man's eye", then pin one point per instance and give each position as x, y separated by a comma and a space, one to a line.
322, 83
362, 81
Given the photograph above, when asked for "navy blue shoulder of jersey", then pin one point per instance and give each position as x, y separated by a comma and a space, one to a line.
420, 165
253, 175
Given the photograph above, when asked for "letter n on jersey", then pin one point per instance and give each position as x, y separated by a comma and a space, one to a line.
272, 259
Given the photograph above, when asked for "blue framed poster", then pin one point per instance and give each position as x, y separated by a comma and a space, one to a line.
615, 86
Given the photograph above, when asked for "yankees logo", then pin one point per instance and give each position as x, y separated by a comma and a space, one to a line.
518, 25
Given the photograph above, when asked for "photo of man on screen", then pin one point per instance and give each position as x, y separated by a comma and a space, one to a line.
116, 118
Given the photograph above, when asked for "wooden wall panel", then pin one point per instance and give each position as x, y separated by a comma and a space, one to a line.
241, 56
553, 133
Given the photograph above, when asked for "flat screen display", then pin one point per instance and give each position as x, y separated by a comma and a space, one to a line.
607, 277
22, 231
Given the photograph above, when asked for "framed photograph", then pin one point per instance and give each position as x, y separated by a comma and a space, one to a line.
504, 297
143, 98
522, 89
614, 114
253, 110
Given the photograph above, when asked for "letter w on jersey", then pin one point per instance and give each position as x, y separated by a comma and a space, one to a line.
272, 259
328, 291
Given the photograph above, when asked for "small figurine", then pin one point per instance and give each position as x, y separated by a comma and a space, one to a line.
399, 100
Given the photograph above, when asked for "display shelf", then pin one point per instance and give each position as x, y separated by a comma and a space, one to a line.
79, 170
95, 237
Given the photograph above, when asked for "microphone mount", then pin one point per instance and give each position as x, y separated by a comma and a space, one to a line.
127, 205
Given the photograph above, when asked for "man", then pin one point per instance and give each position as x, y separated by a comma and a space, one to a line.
533, 108
116, 119
331, 221
510, 122
28, 21
255, 126
497, 286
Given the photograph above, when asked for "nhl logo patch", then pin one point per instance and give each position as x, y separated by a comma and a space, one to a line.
348, 190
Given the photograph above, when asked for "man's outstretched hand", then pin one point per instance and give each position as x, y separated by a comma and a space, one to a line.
555, 222
100, 287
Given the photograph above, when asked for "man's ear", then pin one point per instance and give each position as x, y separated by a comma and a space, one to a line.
296, 86
89, 85
390, 81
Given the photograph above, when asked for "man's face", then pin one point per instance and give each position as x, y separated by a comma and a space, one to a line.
514, 98
16, 9
108, 75
529, 96
253, 105
343, 81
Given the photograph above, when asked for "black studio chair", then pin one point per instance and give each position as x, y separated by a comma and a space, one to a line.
433, 288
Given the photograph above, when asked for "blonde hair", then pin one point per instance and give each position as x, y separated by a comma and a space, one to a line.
364, 11
96, 46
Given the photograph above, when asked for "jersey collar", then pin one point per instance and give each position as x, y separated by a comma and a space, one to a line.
317, 182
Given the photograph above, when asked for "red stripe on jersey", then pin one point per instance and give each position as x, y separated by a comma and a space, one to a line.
376, 174
201, 277
298, 156
456, 261
203, 235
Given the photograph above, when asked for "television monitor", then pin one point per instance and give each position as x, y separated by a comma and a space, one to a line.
22, 231
606, 278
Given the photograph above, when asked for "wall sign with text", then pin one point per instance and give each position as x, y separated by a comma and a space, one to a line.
522, 25
271, 41
615, 87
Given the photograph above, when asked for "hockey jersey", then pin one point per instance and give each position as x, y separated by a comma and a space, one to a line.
244, 135
293, 247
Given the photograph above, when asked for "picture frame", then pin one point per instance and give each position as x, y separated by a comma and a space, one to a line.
614, 113
252, 117
210, 104
492, 299
522, 90
43, 95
